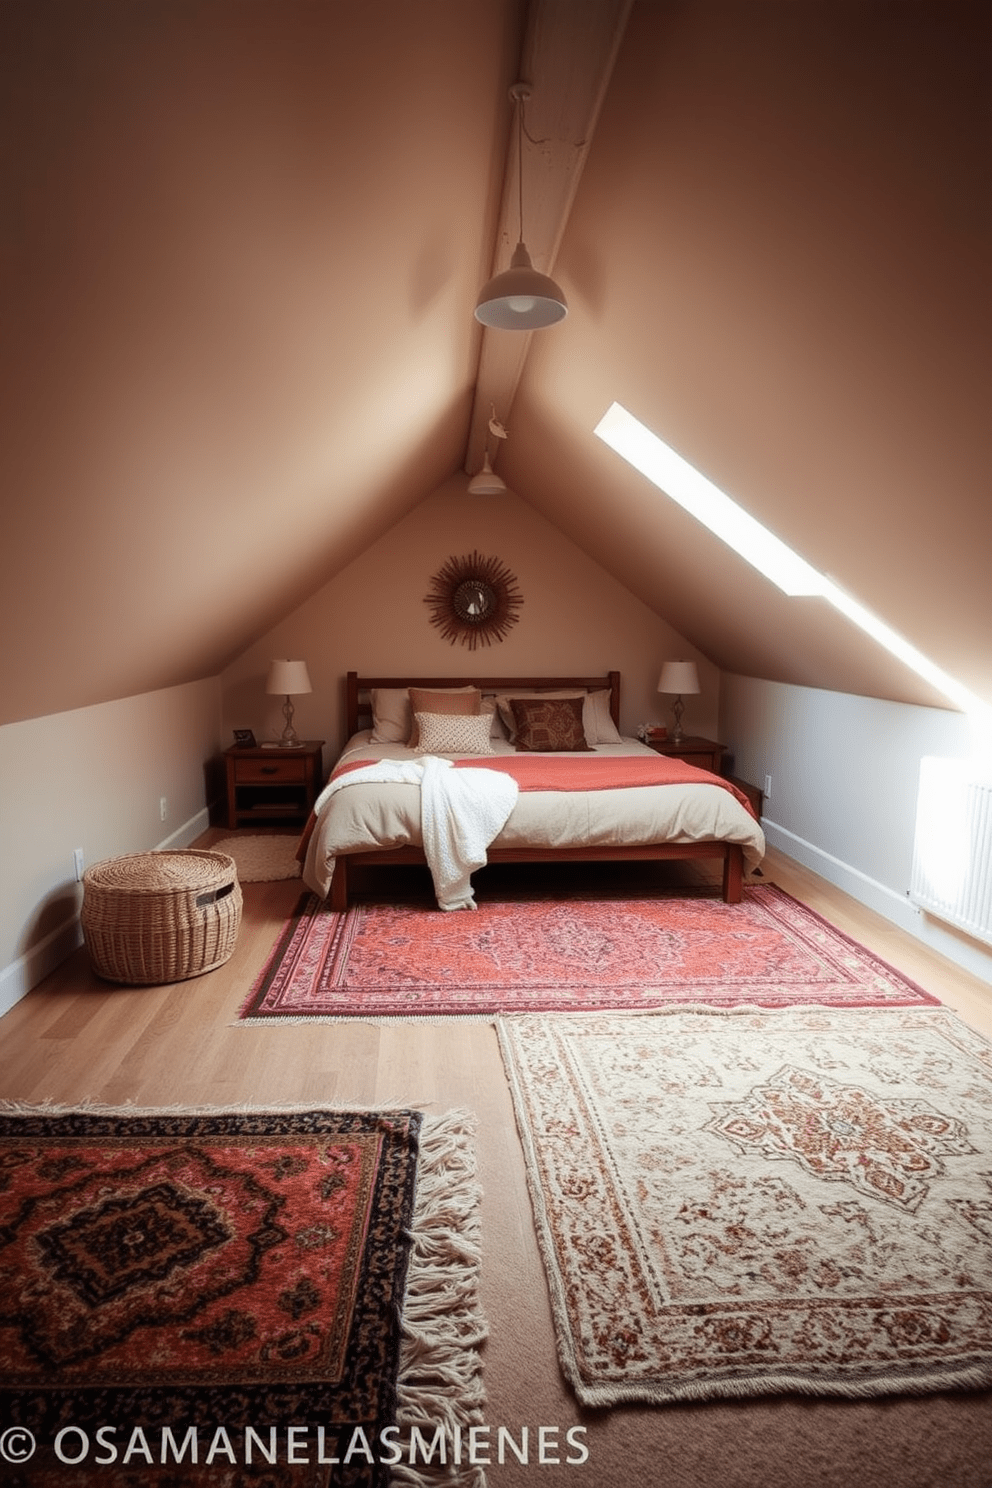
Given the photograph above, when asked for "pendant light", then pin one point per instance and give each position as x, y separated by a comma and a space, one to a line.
520, 299
487, 482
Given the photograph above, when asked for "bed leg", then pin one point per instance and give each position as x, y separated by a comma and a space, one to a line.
733, 873
338, 897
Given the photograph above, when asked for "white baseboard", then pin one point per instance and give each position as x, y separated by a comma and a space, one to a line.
187, 833
17, 979
898, 908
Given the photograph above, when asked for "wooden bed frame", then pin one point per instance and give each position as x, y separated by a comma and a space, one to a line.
358, 715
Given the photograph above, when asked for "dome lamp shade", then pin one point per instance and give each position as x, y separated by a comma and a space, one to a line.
521, 299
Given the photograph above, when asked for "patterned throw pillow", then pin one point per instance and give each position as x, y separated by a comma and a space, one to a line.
504, 706
454, 733
441, 700
548, 724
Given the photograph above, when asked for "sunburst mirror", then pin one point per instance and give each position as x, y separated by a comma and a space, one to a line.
474, 600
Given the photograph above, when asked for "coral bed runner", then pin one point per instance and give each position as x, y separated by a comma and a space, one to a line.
532, 954
216, 1297
734, 1202
585, 772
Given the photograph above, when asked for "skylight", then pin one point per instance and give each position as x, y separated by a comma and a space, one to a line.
762, 549
706, 502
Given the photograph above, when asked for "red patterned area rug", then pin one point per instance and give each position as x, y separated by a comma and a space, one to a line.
235, 1297
737, 1202
567, 953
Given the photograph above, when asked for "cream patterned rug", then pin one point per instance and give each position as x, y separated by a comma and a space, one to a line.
261, 859
734, 1202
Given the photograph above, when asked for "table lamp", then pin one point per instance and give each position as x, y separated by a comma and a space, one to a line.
678, 677
288, 678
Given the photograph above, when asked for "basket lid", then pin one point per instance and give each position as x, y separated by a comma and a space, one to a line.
155, 872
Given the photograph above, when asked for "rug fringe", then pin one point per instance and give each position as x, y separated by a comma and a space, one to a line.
375, 1019
440, 1376
93, 1107
968, 1377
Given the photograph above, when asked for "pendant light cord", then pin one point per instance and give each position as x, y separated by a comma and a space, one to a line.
520, 164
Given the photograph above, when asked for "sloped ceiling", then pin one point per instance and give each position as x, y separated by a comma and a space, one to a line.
779, 260
242, 244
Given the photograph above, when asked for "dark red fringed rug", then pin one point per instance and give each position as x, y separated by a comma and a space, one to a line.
566, 954
217, 1296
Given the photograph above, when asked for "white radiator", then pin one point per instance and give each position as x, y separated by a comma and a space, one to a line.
952, 851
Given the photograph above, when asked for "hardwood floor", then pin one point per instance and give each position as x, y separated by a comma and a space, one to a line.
75, 1038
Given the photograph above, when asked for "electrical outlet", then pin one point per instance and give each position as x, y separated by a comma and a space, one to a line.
768, 787
163, 808
79, 862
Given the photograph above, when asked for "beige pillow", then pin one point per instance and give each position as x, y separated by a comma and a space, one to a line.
504, 705
390, 715
453, 733
488, 706
463, 700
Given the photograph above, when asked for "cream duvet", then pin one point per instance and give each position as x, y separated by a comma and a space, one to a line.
365, 815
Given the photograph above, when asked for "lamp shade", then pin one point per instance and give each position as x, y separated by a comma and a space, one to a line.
520, 299
487, 482
679, 677
288, 677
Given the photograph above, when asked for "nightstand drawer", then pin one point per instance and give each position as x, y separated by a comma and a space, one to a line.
268, 771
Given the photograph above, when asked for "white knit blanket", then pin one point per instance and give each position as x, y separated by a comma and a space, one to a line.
461, 811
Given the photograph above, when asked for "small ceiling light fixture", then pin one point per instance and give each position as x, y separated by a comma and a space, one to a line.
520, 299
288, 678
487, 482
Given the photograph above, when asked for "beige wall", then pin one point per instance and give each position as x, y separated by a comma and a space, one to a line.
92, 778
371, 618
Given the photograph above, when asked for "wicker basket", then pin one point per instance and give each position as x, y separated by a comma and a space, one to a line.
160, 916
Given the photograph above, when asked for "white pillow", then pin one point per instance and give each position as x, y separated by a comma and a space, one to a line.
454, 733
597, 720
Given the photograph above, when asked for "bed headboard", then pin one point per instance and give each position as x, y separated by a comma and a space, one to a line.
358, 706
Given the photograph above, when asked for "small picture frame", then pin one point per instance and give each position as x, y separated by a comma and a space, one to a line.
244, 739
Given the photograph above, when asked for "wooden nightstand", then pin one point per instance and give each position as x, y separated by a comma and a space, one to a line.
705, 753
272, 784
